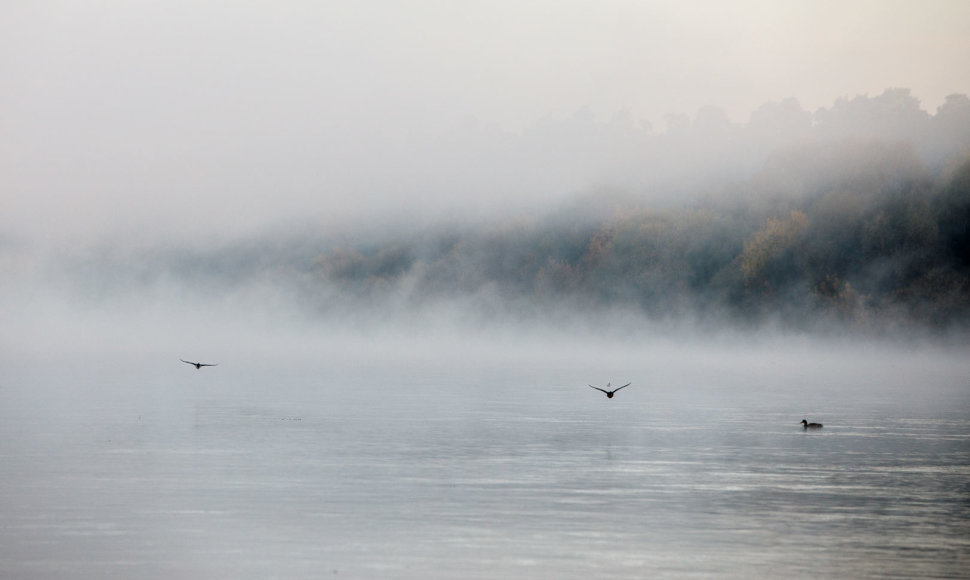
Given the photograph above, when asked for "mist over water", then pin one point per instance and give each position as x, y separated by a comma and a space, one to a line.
449, 438
402, 398
412, 236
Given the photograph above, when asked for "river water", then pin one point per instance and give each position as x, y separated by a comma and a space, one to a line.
488, 469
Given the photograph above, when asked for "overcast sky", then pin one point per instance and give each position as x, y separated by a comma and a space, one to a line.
185, 115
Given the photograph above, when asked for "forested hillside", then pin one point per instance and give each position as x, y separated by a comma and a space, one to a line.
852, 217
859, 234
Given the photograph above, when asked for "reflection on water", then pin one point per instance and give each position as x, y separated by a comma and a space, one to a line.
446, 477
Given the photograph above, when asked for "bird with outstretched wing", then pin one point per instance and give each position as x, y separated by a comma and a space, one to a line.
609, 393
198, 365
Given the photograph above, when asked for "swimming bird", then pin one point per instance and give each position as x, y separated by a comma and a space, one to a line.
198, 365
807, 425
609, 394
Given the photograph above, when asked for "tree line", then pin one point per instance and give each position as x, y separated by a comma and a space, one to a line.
860, 234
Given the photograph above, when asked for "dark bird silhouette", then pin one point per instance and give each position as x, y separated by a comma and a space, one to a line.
609, 394
198, 365
807, 425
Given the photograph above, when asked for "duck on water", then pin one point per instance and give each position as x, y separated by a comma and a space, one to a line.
807, 425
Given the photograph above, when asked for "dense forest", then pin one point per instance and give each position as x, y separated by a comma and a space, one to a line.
853, 217
858, 234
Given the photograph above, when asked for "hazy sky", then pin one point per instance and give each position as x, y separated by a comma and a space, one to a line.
179, 115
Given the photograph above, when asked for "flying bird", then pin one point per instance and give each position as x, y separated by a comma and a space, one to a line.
609, 393
198, 365
807, 425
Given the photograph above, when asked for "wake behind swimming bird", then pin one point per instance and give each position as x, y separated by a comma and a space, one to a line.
609, 393
198, 365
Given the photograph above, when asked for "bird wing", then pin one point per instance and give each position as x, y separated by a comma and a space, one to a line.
597, 388
206, 365
186, 362
623, 387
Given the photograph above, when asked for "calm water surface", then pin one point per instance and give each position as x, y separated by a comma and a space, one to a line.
487, 472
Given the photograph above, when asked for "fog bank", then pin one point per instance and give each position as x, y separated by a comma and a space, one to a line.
847, 221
